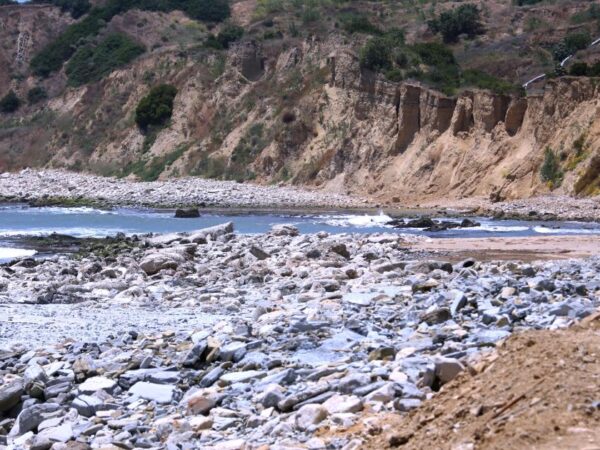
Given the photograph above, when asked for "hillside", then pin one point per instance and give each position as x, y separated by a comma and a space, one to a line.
402, 101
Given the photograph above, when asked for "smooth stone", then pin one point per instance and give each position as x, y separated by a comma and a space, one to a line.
159, 393
310, 415
10, 395
95, 384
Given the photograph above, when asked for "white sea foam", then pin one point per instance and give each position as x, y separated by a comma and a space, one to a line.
70, 231
547, 230
499, 228
356, 220
11, 253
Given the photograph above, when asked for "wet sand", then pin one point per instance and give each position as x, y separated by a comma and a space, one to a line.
516, 248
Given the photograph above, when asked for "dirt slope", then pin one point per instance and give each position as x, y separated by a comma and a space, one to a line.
540, 391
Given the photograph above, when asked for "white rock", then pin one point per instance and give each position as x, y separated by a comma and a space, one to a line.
310, 415
343, 404
159, 393
96, 384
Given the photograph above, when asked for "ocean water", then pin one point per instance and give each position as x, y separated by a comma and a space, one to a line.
21, 221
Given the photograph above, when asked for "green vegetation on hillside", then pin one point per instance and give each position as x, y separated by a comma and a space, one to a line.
550, 171
10, 102
91, 63
36, 95
156, 108
451, 24
228, 34
77, 8
54, 55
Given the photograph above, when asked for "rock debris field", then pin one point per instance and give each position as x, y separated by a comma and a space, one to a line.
216, 340
56, 186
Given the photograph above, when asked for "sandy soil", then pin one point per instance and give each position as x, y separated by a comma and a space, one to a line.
516, 248
540, 390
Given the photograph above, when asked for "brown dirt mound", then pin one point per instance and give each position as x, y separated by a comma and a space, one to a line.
541, 390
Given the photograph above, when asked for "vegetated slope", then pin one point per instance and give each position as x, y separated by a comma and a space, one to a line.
539, 392
368, 97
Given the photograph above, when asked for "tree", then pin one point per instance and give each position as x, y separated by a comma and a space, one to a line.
10, 102
208, 10
465, 19
156, 108
376, 54
550, 170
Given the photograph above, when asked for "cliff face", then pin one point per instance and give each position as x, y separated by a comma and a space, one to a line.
298, 111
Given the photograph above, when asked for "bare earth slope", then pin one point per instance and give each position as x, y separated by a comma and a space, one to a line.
540, 391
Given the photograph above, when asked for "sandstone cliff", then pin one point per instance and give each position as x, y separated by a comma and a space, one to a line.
299, 111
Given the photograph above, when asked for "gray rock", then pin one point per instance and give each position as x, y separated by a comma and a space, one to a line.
10, 395
95, 384
31, 417
446, 369
309, 416
87, 405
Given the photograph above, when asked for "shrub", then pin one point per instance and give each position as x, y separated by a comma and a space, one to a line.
76, 8
207, 10
358, 23
10, 102
230, 33
376, 54
579, 69
156, 108
465, 19
92, 63
483, 80
54, 55
550, 171
36, 95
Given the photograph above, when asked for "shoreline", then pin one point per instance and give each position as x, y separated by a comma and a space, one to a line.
71, 189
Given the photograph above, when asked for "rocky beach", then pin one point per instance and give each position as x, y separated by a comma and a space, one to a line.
219, 340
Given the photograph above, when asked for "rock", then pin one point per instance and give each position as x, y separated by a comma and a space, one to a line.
211, 232
406, 404
61, 433
95, 384
284, 230
258, 253
436, 316
242, 377
31, 417
10, 395
343, 404
341, 250
86, 405
384, 394
271, 395
159, 393
382, 353
446, 369
309, 416
199, 402
200, 423
187, 213
170, 258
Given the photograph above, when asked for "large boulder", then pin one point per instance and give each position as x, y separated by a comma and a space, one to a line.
169, 258
211, 232
187, 213
10, 395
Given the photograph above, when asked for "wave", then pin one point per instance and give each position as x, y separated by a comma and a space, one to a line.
547, 230
7, 253
355, 220
498, 228
72, 231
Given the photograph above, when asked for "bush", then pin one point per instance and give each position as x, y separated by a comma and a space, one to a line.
52, 57
550, 171
76, 8
92, 63
376, 54
156, 108
230, 33
465, 19
207, 10
36, 95
10, 102
571, 44
358, 23
579, 69
483, 80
